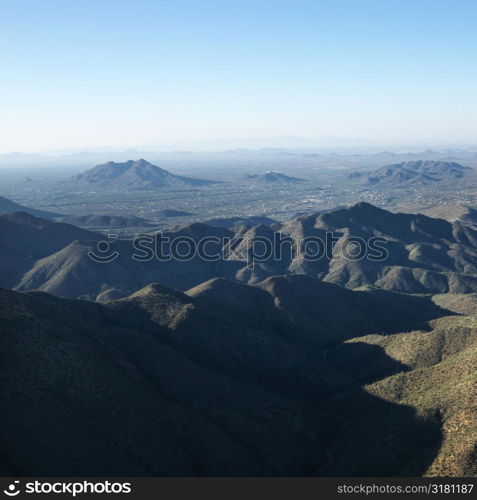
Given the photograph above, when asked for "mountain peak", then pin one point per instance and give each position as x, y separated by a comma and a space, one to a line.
361, 208
272, 176
153, 289
141, 163
364, 205
366, 209
134, 174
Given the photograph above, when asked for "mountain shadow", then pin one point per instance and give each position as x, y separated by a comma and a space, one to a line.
167, 384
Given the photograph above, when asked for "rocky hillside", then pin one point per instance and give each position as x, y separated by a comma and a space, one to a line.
291, 376
423, 255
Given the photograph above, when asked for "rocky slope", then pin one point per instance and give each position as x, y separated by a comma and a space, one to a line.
226, 379
422, 255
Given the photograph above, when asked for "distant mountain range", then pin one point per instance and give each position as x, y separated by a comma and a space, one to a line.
288, 377
273, 177
9, 206
133, 174
426, 255
221, 155
413, 172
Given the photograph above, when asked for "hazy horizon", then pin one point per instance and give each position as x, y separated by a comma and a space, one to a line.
169, 73
287, 143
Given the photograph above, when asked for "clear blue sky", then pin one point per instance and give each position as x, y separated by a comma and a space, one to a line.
126, 73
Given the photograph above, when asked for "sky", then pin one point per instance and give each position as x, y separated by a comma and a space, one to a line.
93, 74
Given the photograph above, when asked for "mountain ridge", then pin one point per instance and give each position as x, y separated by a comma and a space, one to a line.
424, 255
421, 172
9, 206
